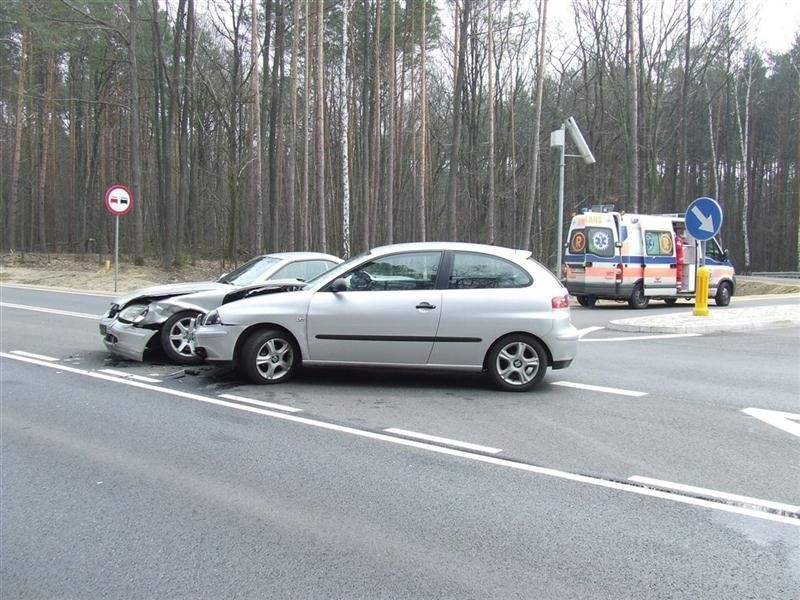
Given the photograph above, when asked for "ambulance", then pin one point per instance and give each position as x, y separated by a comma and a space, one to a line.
637, 258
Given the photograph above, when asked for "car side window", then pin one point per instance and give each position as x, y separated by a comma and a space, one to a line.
408, 271
480, 271
303, 269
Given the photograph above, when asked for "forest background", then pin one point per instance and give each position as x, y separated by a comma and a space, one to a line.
243, 126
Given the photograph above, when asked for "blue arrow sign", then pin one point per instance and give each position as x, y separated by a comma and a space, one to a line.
703, 219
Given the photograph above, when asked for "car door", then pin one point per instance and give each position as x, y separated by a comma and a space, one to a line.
486, 297
388, 313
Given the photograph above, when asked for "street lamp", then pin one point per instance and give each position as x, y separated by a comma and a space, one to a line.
557, 140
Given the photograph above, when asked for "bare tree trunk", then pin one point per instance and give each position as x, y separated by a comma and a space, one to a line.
184, 142
534, 174
744, 141
320, 128
255, 131
684, 131
633, 105
376, 128
490, 224
455, 148
13, 201
712, 144
292, 166
345, 135
392, 166
276, 125
47, 132
423, 133
135, 165
305, 234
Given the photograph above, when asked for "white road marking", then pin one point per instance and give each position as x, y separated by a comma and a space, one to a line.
788, 422
690, 489
272, 405
60, 290
32, 355
636, 338
442, 440
51, 311
481, 458
588, 330
129, 375
599, 388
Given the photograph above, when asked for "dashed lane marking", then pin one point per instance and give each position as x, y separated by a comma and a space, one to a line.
599, 388
261, 403
129, 375
52, 311
32, 355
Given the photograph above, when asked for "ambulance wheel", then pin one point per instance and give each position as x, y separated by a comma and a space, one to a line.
723, 297
670, 301
638, 299
588, 300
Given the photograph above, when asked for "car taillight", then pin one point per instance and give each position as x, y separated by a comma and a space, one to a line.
618, 274
560, 302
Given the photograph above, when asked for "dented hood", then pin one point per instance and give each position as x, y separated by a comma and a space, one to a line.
170, 290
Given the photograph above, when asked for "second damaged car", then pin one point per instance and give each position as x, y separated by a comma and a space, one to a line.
163, 316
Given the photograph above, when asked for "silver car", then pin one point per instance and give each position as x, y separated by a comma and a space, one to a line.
432, 305
165, 314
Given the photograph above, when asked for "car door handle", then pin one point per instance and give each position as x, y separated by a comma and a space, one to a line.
426, 306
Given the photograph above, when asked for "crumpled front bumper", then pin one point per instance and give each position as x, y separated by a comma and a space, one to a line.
124, 340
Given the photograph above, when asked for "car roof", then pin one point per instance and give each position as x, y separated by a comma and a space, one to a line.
303, 256
502, 251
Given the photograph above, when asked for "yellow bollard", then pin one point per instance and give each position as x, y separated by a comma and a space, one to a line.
701, 295
108, 265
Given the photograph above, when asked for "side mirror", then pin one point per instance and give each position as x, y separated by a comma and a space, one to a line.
338, 285
618, 245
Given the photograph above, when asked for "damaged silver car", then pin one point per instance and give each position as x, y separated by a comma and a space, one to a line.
163, 316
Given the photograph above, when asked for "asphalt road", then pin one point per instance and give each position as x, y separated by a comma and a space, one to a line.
122, 479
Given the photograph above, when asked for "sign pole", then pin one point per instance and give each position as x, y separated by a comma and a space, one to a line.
116, 251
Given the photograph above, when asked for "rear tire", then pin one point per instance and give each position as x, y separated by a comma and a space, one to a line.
177, 338
670, 301
269, 356
638, 300
723, 297
516, 362
587, 300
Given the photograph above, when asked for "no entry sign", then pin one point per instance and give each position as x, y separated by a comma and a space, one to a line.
118, 200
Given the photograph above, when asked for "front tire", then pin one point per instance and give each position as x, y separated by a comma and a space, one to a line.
516, 363
177, 338
723, 297
638, 300
269, 356
588, 300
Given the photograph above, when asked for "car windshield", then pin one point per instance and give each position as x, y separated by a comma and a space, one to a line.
250, 272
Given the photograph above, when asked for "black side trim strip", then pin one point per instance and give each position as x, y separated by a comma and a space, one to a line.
396, 338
